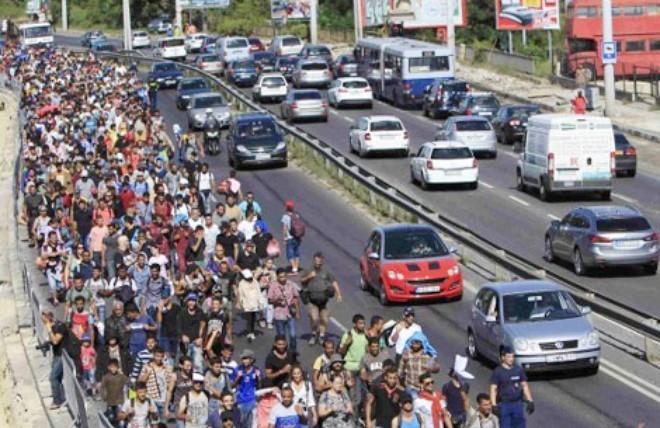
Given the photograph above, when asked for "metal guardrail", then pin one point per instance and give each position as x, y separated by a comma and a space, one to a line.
515, 266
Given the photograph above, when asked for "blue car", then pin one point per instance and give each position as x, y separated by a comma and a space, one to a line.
167, 74
187, 87
242, 73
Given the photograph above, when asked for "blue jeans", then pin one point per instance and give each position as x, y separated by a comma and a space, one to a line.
287, 328
512, 414
55, 378
293, 248
196, 355
247, 413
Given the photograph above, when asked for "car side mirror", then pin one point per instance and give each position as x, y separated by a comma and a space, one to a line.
490, 319
353, 127
373, 256
555, 223
189, 107
453, 250
586, 310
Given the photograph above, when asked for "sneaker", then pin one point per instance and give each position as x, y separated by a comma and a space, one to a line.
270, 326
321, 339
262, 323
54, 406
250, 337
312, 340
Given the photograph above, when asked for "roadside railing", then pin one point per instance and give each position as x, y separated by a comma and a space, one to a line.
75, 396
474, 250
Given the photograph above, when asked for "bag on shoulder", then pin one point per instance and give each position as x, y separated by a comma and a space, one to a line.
125, 294
297, 226
273, 248
72, 345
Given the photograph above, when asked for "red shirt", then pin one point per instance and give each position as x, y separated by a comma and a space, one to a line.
579, 105
127, 198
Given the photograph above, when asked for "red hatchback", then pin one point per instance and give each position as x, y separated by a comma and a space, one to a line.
256, 45
409, 262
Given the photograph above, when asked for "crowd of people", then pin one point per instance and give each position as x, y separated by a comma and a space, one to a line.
157, 266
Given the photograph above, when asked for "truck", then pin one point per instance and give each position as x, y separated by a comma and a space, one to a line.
36, 35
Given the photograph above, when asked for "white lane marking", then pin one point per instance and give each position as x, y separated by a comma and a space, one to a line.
509, 154
520, 201
552, 216
628, 383
334, 112
349, 119
624, 198
337, 324
483, 183
618, 325
646, 384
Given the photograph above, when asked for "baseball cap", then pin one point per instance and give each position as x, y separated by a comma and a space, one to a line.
197, 377
247, 353
289, 204
506, 350
192, 296
409, 311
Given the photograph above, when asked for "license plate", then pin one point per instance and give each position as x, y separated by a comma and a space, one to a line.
561, 358
619, 152
484, 113
170, 81
628, 244
428, 289
452, 172
352, 74
569, 183
262, 156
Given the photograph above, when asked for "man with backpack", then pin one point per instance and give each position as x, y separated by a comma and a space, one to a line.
193, 409
408, 417
293, 229
139, 412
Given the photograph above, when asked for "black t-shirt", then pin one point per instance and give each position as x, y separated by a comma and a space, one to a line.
168, 326
386, 405
248, 261
275, 363
217, 321
227, 243
60, 328
261, 243
226, 283
454, 399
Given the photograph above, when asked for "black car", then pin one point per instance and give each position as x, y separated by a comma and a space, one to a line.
344, 66
187, 87
166, 74
254, 139
477, 104
265, 61
443, 96
286, 65
625, 160
510, 122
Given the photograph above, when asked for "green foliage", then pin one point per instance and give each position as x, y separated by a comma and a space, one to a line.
242, 16
336, 14
12, 9
481, 23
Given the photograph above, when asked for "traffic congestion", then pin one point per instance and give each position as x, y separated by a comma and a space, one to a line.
169, 276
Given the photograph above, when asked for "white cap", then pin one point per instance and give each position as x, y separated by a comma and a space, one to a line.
460, 364
247, 273
197, 377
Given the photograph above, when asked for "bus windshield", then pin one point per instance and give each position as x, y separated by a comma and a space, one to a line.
43, 31
581, 45
425, 65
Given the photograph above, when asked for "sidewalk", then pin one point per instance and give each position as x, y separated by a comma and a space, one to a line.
634, 118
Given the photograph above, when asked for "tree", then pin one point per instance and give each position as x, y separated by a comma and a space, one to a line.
481, 23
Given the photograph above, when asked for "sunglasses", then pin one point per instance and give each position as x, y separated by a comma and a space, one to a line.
431, 382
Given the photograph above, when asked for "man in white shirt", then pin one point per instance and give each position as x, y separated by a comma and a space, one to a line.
211, 232
285, 413
402, 332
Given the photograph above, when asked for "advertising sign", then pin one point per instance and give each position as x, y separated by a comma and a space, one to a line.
204, 4
32, 7
527, 14
290, 9
412, 13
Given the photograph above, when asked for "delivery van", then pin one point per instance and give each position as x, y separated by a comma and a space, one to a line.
567, 153
231, 49
172, 48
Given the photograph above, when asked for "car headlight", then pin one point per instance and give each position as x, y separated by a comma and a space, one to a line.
591, 340
241, 149
394, 275
280, 146
159, 79
453, 271
199, 116
520, 345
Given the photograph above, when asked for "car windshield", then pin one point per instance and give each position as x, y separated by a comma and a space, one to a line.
314, 66
473, 125
523, 112
271, 82
237, 43
167, 66
486, 101
264, 58
407, 244
288, 61
307, 95
38, 31
257, 129
140, 35
347, 60
318, 51
104, 47
208, 102
173, 43
621, 141
355, 84
244, 64
451, 153
455, 87
425, 65
539, 306
386, 125
291, 41
622, 224
193, 84
210, 58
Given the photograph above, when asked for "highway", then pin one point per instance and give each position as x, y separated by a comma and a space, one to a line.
609, 399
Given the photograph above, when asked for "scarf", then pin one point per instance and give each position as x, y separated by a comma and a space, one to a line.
436, 406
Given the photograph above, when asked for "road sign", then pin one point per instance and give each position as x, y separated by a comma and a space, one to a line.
609, 53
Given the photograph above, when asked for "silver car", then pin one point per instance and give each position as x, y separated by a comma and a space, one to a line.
475, 132
600, 236
312, 72
210, 63
539, 320
198, 106
304, 104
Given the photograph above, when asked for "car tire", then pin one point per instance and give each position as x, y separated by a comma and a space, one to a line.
548, 251
493, 155
606, 195
423, 183
360, 152
544, 194
578, 263
350, 145
651, 269
520, 184
364, 285
632, 173
592, 371
370, 106
382, 296
474, 186
471, 350
425, 112
412, 176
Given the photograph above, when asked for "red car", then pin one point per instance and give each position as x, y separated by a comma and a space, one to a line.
409, 262
256, 45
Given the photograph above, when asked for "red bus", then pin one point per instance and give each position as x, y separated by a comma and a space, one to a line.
636, 29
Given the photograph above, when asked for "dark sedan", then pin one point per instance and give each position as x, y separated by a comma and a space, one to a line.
344, 66
510, 122
255, 139
188, 87
242, 73
478, 104
625, 156
286, 65
265, 61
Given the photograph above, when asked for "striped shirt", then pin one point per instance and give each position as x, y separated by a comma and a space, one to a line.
142, 358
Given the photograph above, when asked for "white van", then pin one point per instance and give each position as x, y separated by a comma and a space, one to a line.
286, 45
232, 49
172, 48
36, 35
567, 153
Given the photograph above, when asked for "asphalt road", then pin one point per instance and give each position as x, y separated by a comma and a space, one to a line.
339, 230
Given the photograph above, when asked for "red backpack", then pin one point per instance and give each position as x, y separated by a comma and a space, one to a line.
297, 226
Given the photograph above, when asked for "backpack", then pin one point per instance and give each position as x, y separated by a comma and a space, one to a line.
125, 293
297, 226
72, 345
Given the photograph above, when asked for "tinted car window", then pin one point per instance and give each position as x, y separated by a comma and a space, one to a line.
195, 84
472, 125
355, 84
273, 81
256, 129
244, 64
318, 51
290, 41
347, 60
210, 58
455, 87
386, 125
165, 67
539, 306
288, 61
621, 141
207, 102
622, 224
486, 101
413, 245
523, 112
451, 153
173, 43
314, 66
237, 43
307, 96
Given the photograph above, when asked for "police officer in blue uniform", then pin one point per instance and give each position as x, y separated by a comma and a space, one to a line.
509, 391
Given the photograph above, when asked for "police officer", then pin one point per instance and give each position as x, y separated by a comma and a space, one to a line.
153, 93
509, 391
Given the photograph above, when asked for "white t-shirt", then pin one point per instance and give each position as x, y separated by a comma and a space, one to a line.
284, 417
404, 335
423, 407
204, 180
140, 417
247, 228
197, 408
210, 235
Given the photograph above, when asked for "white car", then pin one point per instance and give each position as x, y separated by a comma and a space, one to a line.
194, 42
350, 91
270, 86
444, 162
140, 39
378, 134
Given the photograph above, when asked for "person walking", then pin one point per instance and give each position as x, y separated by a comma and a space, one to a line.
579, 103
509, 391
293, 229
319, 286
405, 328
248, 301
283, 295
384, 401
431, 405
407, 417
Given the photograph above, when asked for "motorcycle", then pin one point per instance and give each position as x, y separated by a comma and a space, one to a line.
212, 140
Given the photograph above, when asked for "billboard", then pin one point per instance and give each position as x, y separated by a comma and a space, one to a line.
32, 7
290, 9
412, 13
204, 4
527, 14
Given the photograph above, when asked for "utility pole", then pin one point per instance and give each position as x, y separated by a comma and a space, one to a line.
451, 30
313, 22
65, 15
178, 20
128, 39
608, 66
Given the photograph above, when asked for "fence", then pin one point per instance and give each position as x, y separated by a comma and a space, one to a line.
75, 396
